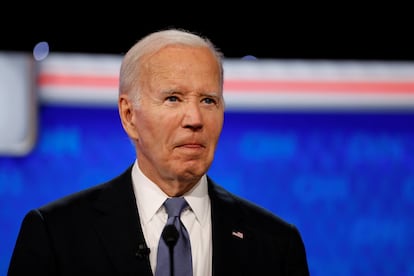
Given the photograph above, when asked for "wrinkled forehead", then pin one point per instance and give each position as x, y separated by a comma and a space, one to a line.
177, 54
183, 62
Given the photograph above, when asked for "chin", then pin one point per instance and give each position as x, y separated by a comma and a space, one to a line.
192, 174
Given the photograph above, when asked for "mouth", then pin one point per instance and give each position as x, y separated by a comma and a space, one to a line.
192, 146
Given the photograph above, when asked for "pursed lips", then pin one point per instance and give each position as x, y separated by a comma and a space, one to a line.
191, 145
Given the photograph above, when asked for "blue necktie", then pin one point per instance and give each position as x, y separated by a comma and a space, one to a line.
174, 239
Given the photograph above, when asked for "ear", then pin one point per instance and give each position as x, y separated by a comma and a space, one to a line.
127, 115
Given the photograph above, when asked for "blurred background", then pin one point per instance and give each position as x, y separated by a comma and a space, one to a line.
319, 127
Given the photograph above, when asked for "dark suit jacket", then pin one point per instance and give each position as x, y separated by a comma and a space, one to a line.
98, 231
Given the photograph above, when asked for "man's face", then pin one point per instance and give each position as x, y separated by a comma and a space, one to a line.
180, 115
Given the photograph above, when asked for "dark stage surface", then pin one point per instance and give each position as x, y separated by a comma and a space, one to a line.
297, 31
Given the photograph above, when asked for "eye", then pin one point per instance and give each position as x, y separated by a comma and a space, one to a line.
172, 99
209, 101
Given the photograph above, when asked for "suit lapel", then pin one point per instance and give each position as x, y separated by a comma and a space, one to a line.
229, 235
118, 225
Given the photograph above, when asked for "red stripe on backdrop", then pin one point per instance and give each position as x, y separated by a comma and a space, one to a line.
77, 80
320, 86
270, 86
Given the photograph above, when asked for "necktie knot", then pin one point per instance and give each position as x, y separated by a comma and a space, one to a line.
174, 206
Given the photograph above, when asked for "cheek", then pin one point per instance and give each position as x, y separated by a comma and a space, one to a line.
154, 128
216, 123
145, 125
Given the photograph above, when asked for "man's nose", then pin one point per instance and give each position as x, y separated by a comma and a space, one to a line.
193, 117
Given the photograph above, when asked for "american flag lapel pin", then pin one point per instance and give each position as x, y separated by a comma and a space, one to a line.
237, 234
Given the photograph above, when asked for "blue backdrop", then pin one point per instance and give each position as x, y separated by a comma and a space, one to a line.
346, 179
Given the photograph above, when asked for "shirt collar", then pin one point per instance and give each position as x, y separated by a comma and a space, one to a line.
149, 197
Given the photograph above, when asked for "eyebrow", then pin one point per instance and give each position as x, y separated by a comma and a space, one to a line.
173, 92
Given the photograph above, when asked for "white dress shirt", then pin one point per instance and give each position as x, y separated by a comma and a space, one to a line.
196, 218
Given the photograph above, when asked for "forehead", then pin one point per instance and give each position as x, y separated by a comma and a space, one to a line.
184, 67
182, 57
